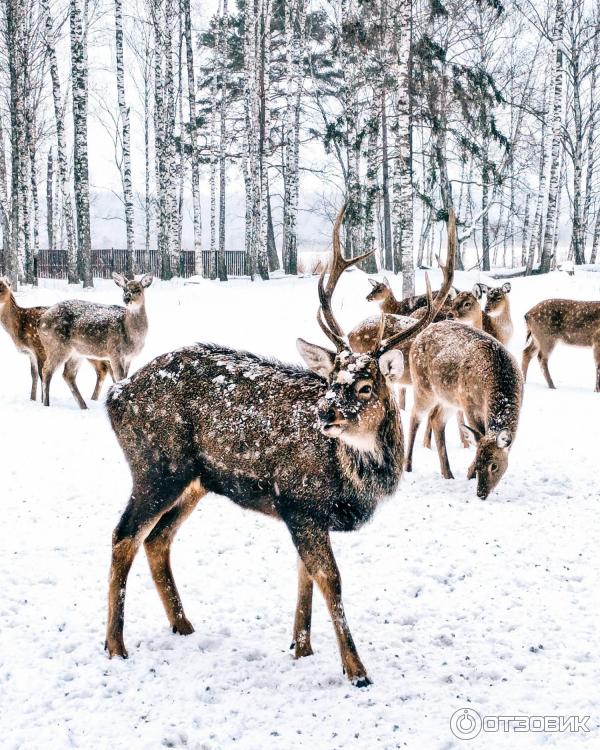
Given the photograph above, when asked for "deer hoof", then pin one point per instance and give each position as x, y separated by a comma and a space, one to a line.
183, 627
300, 651
115, 647
362, 682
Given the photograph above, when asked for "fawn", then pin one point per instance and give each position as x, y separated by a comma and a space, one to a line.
456, 367
74, 329
561, 320
21, 324
495, 319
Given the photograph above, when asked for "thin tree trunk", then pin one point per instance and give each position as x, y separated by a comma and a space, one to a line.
195, 159
79, 72
547, 247
125, 141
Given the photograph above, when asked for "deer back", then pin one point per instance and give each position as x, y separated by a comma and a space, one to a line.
571, 321
247, 427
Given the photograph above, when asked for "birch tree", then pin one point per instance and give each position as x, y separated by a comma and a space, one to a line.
79, 78
125, 140
553, 183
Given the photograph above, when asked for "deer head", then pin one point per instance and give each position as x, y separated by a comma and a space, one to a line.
466, 308
381, 290
497, 298
133, 291
491, 458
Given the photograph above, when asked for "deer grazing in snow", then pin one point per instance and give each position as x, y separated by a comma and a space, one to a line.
495, 319
74, 329
382, 293
318, 449
21, 324
566, 321
456, 367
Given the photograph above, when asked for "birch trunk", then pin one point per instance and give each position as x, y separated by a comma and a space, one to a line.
4, 205
547, 248
61, 149
79, 74
50, 200
223, 54
125, 140
195, 159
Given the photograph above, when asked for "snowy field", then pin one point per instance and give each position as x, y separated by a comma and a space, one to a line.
453, 602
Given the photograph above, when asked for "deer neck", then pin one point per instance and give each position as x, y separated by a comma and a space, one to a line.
9, 311
136, 321
504, 403
389, 304
373, 465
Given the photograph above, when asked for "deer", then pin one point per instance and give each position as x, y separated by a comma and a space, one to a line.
566, 321
22, 325
363, 335
74, 329
316, 448
495, 319
382, 293
459, 368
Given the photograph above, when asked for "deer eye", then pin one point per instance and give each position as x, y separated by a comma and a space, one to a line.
493, 468
365, 390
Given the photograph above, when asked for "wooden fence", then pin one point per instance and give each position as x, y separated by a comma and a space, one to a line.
52, 264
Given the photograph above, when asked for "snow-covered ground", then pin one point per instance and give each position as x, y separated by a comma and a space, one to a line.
453, 602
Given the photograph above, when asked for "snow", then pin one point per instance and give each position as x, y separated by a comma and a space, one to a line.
453, 602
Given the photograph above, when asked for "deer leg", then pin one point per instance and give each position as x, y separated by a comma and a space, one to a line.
53, 360
302, 621
34, 377
528, 353
543, 360
141, 515
158, 551
402, 399
438, 423
427, 435
460, 419
314, 548
118, 369
596, 351
101, 367
70, 374
415, 421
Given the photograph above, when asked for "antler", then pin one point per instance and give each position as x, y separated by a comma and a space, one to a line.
432, 311
329, 325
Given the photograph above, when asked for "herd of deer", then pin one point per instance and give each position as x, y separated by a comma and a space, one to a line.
207, 418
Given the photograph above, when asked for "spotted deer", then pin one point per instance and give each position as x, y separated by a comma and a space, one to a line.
495, 319
21, 324
566, 321
74, 329
317, 449
382, 293
455, 367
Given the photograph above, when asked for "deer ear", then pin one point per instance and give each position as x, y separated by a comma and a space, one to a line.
386, 282
470, 435
373, 283
504, 439
391, 365
146, 280
479, 290
506, 287
119, 280
318, 359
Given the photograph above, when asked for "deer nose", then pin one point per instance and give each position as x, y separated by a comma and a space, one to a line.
127, 298
450, 316
326, 411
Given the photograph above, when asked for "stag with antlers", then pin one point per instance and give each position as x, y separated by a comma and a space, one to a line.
317, 449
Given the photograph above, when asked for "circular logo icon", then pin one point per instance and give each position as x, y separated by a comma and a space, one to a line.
465, 723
